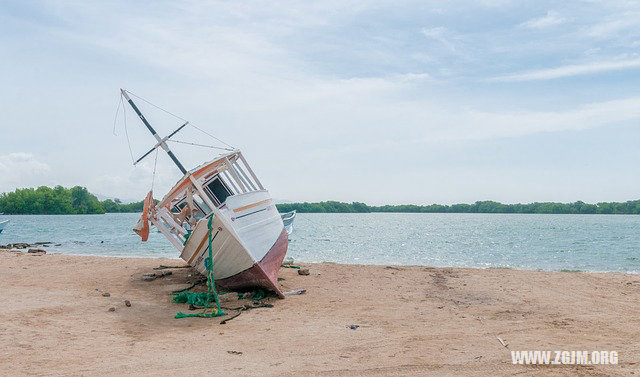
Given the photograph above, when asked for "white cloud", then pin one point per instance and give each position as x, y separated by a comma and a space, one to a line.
442, 35
435, 32
23, 170
570, 70
623, 23
552, 18
305, 80
479, 125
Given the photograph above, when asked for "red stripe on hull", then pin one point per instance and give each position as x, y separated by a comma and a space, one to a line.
263, 274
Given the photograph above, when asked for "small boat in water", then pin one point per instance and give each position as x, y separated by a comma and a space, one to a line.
221, 203
3, 224
287, 220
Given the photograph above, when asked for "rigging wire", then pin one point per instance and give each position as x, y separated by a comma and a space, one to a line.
115, 119
181, 118
157, 107
206, 133
201, 145
155, 165
126, 132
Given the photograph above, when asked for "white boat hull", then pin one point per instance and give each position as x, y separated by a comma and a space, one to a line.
246, 238
3, 224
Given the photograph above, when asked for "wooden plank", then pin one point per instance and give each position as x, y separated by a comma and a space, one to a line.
239, 209
168, 235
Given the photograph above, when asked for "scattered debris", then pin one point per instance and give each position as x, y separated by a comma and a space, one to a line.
224, 321
281, 279
106, 294
393, 268
304, 271
127, 303
502, 342
163, 267
186, 289
243, 308
234, 352
154, 275
295, 292
36, 251
353, 327
112, 309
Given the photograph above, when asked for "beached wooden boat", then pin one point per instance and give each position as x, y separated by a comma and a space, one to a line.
248, 235
287, 220
3, 224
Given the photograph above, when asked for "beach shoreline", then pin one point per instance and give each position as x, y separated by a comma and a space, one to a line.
412, 320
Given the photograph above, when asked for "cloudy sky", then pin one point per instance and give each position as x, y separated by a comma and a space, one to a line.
381, 102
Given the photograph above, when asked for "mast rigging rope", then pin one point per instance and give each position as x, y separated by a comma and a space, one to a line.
126, 132
155, 164
115, 118
200, 145
181, 118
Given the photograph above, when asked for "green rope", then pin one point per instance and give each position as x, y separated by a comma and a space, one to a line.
203, 298
290, 266
186, 236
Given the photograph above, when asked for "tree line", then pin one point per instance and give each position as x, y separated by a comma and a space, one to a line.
79, 201
60, 201
628, 208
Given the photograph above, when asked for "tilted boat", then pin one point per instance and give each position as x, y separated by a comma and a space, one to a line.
248, 235
3, 224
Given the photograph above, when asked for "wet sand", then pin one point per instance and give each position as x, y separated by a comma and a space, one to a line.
54, 320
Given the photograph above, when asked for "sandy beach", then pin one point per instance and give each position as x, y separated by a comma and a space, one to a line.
55, 320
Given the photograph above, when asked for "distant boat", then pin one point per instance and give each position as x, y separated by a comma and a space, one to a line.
287, 219
3, 224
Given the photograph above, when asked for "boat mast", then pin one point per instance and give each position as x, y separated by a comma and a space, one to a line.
161, 142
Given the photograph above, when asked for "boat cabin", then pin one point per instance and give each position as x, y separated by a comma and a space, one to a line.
203, 191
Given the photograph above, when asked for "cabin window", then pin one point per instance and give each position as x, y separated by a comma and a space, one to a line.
218, 190
204, 208
178, 207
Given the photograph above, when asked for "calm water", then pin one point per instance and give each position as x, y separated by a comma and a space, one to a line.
548, 242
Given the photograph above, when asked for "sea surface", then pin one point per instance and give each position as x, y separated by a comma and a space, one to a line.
532, 242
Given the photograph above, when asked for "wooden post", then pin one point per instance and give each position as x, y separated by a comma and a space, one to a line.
234, 175
246, 179
255, 178
228, 178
